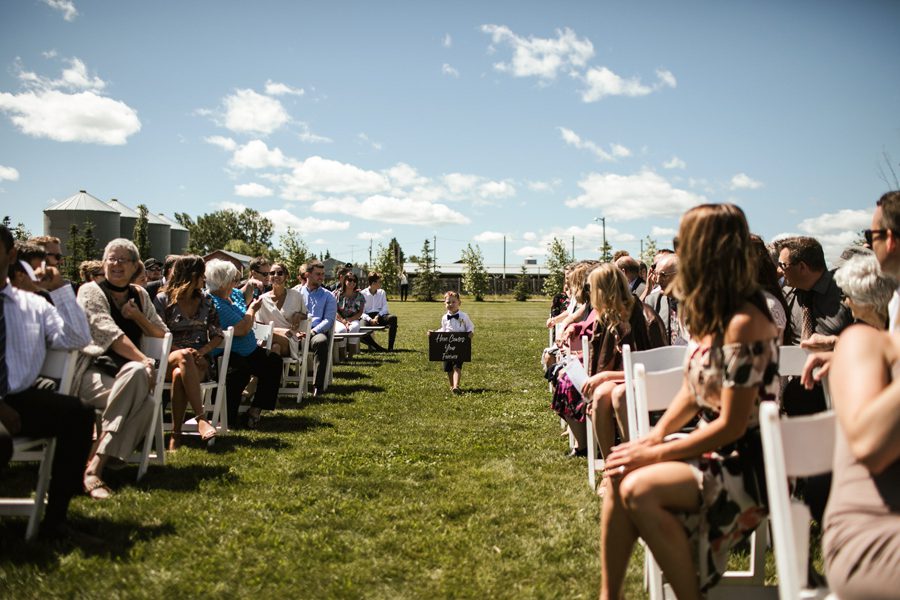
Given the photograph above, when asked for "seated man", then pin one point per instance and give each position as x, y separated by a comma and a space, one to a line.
376, 313
322, 308
28, 326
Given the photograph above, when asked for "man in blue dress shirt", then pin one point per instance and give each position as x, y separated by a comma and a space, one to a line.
322, 308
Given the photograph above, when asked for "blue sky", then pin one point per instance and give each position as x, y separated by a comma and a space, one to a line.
353, 121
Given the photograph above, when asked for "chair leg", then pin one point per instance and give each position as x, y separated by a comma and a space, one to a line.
43, 485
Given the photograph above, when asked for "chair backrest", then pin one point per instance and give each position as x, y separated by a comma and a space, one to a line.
793, 447
265, 332
664, 358
158, 348
60, 365
586, 354
791, 360
654, 391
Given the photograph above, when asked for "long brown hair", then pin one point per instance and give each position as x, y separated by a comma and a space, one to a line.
184, 273
715, 275
610, 295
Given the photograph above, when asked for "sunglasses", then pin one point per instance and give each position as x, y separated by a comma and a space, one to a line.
263, 273
869, 234
277, 273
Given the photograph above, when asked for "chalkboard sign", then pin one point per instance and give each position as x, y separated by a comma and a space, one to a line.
444, 345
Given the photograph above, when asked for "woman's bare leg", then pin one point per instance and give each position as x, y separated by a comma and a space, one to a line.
617, 537
620, 407
604, 421
650, 495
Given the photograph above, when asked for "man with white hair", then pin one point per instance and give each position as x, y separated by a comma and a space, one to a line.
664, 302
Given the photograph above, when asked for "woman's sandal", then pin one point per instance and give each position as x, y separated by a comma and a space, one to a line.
174, 442
96, 489
209, 436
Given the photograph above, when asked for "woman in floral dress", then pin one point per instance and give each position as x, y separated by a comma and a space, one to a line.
694, 498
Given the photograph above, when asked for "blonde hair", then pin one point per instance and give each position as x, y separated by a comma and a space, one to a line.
451, 293
578, 281
610, 295
715, 274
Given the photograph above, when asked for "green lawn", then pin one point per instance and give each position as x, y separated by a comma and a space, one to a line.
389, 487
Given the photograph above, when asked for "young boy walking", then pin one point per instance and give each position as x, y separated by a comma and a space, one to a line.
455, 321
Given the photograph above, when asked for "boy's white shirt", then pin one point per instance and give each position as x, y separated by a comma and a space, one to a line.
461, 325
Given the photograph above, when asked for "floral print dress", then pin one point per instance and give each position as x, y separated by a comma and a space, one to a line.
732, 492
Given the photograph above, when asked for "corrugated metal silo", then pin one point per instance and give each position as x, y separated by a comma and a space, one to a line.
160, 237
181, 237
127, 219
75, 210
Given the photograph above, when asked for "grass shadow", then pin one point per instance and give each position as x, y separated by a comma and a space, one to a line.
287, 423
342, 390
184, 479
468, 391
353, 375
231, 442
118, 539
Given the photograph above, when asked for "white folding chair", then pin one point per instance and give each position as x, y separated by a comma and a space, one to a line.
59, 364
794, 447
295, 383
157, 348
595, 463
219, 408
655, 360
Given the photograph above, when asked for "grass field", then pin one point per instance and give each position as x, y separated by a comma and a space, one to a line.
389, 487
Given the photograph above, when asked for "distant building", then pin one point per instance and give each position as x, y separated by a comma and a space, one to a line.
241, 261
112, 220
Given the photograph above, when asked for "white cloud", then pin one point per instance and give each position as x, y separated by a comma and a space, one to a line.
282, 219
490, 236
573, 139
374, 235
252, 190
75, 77
403, 175
449, 70
222, 142
311, 138
321, 175
662, 231
402, 211
249, 112
274, 88
742, 181
364, 139
542, 186
228, 205
645, 194
529, 236
460, 183
320, 242
602, 82
82, 117
674, 163
588, 239
843, 220
541, 57
531, 251
66, 7
255, 154
496, 189
447, 41
8, 173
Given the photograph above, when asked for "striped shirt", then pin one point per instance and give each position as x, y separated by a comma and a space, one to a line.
33, 325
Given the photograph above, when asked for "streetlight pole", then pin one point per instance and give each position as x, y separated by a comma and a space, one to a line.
603, 222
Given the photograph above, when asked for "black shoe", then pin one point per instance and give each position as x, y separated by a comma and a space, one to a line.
576, 452
64, 532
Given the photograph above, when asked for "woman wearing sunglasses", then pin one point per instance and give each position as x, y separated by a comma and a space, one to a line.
350, 305
285, 307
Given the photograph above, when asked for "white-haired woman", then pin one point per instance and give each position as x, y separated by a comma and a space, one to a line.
868, 291
247, 358
116, 374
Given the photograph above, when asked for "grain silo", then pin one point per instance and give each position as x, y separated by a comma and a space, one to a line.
75, 210
181, 237
127, 219
157, 229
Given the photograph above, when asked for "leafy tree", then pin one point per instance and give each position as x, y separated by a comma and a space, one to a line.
214, 230
397, 253
292, 251
80, 247
141, 235
239, 247
557, 259
19, 231
521, 290
649, 252
89, 242
426, 281
606, 252
475, 276
386, 265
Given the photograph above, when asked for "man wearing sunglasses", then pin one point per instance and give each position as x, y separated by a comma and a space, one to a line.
51, 247
258, 282
884, 240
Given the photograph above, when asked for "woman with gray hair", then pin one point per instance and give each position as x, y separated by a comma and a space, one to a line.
247, 358
115, 375
868, 291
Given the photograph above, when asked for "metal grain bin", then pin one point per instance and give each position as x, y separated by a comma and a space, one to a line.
157, 229
127, 219
75, 210
181, 237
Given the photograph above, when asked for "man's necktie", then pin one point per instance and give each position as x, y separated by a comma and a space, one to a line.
4, 370
673, 321
809, 325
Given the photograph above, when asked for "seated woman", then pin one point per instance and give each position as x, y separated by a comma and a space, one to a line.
620, 321
192, 318
286, 308
247, 358
350, 305
694, 498
861, 540
116, 375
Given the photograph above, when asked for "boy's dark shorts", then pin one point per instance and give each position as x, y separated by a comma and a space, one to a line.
449, 364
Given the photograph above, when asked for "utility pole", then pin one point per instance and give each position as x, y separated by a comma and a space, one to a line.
642, 250
434, 253
602, 248
504, 257
573, 247
370, 253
